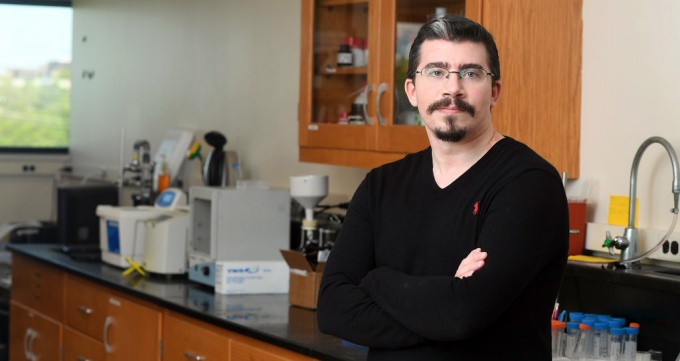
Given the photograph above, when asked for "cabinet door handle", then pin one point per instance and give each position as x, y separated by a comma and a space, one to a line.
574, 231
32, 337
85, 310
381, 89
107, 324
80, 358
27, 335
191, 356
367, 90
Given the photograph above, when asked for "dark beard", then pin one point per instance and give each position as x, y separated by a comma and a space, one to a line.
452, 133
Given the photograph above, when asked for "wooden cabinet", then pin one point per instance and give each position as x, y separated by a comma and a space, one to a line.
540, 49
327, 91
55, 315
33, 336
110, 325
188, 339
38, 286
540, 53
36, 311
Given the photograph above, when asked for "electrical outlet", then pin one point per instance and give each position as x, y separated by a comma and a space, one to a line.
649, 238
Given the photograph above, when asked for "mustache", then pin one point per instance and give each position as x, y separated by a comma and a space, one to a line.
457, 102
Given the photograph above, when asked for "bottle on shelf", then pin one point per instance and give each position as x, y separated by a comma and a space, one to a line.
345, 58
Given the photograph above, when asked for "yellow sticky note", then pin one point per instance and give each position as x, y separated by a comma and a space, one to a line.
618, 210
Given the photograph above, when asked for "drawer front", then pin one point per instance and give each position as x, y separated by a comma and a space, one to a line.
33, 336
253, 350
78, 347
86, 307
38, 286
132, 329
185, 339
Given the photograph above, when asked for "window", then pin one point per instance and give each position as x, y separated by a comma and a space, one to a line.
35, 76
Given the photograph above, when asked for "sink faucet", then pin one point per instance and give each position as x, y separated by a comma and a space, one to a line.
628, 244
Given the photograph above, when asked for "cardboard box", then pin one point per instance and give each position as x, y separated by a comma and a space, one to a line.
305, 279
251, 277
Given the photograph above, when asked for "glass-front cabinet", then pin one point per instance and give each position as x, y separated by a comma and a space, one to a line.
354, 53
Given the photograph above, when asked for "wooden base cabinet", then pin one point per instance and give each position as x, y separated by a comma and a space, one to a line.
113, 326
57, 315
36, 311
33, 337
188, 339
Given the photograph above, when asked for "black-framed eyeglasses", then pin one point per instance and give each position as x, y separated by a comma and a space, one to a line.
439, 76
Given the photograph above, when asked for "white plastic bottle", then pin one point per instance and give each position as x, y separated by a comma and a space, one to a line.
573, 333
630, 344
616, 339
558, 339
600, 341
587, 353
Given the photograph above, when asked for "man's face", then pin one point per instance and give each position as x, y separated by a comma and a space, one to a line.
457, 109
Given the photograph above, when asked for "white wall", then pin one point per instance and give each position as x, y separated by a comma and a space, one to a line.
225, 65
631, 52
173, 63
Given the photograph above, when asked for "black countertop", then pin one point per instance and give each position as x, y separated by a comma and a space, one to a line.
650, 277
267, 317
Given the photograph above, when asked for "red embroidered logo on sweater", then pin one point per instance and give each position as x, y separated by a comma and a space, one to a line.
476, 209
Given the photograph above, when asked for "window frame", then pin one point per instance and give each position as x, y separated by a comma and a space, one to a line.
31, 150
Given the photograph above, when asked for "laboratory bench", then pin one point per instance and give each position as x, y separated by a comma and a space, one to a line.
649, 296
267, 325
262, 327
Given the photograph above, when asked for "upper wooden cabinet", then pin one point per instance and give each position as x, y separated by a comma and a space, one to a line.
540, 53
540, 47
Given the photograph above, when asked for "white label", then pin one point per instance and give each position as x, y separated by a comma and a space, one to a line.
345, 59
299, 272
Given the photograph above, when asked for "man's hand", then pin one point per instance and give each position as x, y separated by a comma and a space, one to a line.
473, 262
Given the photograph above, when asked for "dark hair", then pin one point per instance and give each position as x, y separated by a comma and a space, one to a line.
455, 29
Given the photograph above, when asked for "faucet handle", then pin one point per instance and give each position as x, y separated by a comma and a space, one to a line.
609, 242
616, 242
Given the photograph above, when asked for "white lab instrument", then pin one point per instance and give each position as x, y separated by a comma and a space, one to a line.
230, 224
123, 229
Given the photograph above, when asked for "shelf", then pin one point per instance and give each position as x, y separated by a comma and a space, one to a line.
345, 71
341, 2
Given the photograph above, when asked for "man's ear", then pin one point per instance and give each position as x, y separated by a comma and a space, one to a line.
410, 89
495, 93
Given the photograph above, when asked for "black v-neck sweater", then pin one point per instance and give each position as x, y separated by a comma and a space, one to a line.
389, 283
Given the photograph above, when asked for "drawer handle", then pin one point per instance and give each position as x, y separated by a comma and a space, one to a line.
107, 324
85, 310
82, 359
574, 231
193, 357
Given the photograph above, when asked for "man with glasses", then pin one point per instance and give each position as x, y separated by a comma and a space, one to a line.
455, 252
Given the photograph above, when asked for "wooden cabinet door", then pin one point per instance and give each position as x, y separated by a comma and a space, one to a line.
399, 130
252, 350
540, 44
78, 347
187, 339
132, 330
328, 90
33, 337
38, 286
86, 307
